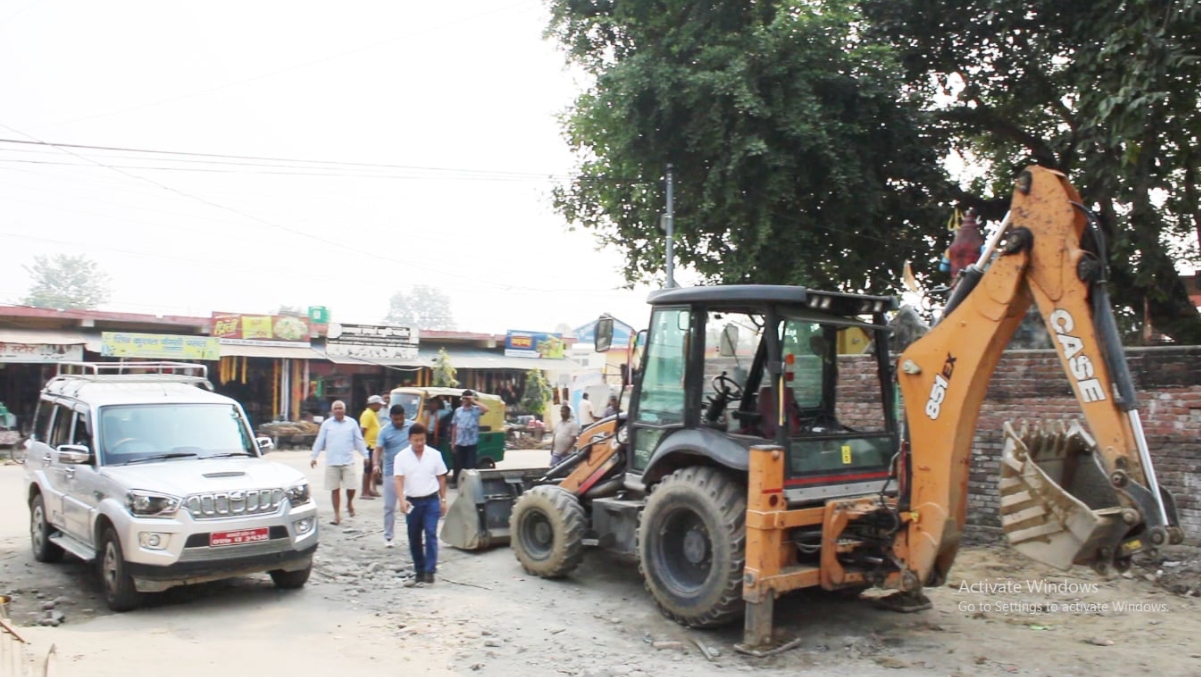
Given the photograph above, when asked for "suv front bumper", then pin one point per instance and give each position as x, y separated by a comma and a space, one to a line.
164, 552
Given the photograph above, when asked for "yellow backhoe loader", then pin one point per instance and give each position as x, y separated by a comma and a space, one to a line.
790, 474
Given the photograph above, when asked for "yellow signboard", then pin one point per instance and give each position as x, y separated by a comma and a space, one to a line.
160, 346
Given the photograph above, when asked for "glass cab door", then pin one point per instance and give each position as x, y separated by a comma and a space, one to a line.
659, 402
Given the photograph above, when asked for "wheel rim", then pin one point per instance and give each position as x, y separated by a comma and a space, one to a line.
37, 528
683, 551
110, 567
537, 535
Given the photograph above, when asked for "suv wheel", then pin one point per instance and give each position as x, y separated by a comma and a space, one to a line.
119, 590
291, 580
40, 531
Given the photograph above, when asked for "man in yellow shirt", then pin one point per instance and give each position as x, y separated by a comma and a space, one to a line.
369, 422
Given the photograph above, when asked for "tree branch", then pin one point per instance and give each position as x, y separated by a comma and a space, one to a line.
987, 119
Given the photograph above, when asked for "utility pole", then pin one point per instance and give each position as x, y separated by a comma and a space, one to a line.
669, 226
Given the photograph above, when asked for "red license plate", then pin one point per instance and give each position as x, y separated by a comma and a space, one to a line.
238, 537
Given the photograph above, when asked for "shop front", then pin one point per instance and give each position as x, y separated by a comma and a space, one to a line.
28, 358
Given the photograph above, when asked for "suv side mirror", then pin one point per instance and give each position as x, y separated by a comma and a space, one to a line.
74, 454
604, 334
265, 444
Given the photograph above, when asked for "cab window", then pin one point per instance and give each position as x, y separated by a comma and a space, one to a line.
60, 431
661, 399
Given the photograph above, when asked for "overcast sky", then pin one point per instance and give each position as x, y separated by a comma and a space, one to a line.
459, 99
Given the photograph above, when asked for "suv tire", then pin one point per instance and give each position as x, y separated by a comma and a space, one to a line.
119, 591
40, 532
291, 580
692, 546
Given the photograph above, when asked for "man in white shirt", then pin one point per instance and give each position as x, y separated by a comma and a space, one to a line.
587, 418
340, 437
564, 436
420, 477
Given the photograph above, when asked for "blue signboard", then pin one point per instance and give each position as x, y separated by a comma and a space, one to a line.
534, 344
621, 333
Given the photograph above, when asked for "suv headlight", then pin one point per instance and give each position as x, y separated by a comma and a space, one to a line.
299, 494
151, 504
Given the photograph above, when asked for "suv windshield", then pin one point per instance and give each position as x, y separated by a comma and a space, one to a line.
148, 432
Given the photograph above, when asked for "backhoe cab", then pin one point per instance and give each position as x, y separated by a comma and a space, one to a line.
749, 464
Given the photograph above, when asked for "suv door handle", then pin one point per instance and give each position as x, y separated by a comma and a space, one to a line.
70, 472
47, 459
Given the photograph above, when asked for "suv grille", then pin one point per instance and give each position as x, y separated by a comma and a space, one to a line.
234, 503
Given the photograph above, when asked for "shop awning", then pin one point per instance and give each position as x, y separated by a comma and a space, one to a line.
54, 337
271, 352
479, 358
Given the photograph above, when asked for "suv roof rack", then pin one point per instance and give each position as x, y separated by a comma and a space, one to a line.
132, 372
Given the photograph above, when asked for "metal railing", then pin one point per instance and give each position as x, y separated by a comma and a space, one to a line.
131, 372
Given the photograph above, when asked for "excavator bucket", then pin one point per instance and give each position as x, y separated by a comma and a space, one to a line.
1057, 505
479, 518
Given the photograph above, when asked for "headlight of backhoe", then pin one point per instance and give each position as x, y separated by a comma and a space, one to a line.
151, 504
299, 494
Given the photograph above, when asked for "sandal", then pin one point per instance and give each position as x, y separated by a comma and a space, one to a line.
335, 522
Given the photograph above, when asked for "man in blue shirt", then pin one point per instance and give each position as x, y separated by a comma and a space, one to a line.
341, 437
392, 438
465, 433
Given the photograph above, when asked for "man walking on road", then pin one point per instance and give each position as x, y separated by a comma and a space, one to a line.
340, 437
465, 433
563, 438
587, 417
370, 423
393, 437
420, 479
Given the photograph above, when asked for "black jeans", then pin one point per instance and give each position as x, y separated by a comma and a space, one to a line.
464, 459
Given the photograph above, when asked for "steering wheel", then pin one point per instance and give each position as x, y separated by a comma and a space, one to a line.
115, 445
727, 387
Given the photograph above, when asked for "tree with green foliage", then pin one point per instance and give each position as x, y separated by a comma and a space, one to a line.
808, 137
1108, 92
537, 392
66, 282
423, 307
797, 156
444, 371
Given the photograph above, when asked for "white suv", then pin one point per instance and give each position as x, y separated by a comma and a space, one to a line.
162, 481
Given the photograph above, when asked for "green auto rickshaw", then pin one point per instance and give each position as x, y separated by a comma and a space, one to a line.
432, 407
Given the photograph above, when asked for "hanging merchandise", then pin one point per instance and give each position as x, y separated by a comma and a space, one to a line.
953, 224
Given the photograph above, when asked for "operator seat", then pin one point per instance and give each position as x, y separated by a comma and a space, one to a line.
767, 411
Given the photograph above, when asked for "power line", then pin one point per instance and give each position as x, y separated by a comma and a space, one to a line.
306, 64
348, 175
259, 158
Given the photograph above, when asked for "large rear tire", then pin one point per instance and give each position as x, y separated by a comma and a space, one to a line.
546, 529
692, 546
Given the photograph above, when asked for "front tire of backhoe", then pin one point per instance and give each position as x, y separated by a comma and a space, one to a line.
692, 546
547, 528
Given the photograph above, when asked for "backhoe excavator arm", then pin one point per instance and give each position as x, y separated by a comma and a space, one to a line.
1066, 496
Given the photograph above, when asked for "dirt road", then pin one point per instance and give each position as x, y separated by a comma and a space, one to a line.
486, 617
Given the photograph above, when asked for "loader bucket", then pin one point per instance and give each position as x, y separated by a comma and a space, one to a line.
479, 517
1057, 505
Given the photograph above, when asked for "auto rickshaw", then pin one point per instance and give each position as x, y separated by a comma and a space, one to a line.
432, 407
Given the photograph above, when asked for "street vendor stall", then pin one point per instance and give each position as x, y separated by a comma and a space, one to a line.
291, 434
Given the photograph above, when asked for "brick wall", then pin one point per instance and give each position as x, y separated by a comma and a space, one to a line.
1030, 385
